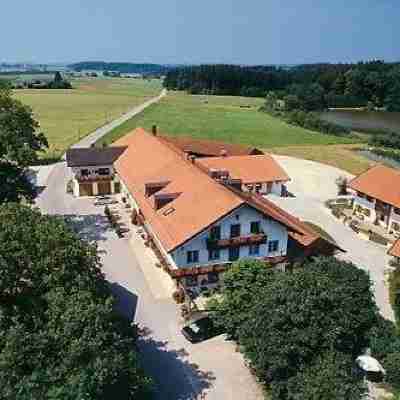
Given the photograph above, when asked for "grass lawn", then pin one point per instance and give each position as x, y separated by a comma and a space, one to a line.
225, 118
341, 156
66, 116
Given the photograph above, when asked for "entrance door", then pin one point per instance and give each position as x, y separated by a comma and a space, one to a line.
85, 189
104, 188
234, 253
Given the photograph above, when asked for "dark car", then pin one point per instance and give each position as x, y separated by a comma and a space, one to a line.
201, 329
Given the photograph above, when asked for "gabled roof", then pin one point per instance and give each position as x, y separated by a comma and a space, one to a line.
198, 201
92, 156
380, 182
201, 200
208, 148
250, 169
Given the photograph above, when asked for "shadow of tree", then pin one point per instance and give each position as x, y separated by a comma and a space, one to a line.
126, 301
175, 376
91, 227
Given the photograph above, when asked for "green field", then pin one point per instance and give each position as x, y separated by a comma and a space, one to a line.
225, 118
66, 116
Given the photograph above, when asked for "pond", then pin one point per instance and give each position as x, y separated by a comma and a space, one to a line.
367, 121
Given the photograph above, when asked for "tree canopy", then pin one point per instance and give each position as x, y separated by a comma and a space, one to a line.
20, 140
315, 85
60, 337
285, 320
20, 144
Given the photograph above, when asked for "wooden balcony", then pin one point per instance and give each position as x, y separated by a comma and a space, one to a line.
259, 238
94, 178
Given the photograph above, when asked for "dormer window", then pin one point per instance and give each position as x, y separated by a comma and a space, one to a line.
161, 200
152, 188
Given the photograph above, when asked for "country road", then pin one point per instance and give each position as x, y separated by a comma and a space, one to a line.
103, 130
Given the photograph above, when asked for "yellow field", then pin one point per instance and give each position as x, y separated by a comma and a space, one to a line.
66, 116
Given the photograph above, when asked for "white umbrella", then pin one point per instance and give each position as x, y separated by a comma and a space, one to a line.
369, 364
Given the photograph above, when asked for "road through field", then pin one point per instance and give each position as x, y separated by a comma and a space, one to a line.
93, 137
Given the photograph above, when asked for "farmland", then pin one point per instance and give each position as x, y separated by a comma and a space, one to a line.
225, 118
66, 116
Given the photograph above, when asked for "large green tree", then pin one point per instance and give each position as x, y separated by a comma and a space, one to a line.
20, 143
241, 285
328, 305
283, 321
60, 337
20, 140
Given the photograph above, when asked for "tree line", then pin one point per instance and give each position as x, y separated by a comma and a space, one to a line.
123, 68
311, 87
60, 336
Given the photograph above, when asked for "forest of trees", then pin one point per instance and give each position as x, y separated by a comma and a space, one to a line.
122, 67
310, 87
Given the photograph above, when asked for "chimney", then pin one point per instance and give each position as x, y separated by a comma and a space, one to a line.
154, 130
223, 153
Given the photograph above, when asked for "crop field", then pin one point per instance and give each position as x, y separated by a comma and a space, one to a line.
225, 118
66, 116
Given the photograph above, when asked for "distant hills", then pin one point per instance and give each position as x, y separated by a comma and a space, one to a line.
122, 67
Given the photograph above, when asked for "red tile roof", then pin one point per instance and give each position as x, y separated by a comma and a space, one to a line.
208, 148
250, 169
395, 249
199, 201
380, 182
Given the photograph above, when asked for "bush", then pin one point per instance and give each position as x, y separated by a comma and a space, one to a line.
375, 237
179, 296
342, 183
392, 366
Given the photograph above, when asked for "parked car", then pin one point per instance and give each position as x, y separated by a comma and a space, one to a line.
200, 330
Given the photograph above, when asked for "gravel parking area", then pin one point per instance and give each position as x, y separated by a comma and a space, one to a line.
314, 183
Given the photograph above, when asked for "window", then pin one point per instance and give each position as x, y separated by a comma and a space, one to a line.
258, 187
191, 281
213, 254
273, 246
235, 230
215, 233
360, 195
103, 171
234, 253
192, 256
212, 277
255, 227
396, 210
254, 250
85, 172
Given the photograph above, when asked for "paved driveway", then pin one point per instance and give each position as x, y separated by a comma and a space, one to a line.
314, 183
210, 370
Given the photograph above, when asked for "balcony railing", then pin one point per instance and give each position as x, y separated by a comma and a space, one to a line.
95, 178
259, 238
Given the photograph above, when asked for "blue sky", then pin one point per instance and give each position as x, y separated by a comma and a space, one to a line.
189, 31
